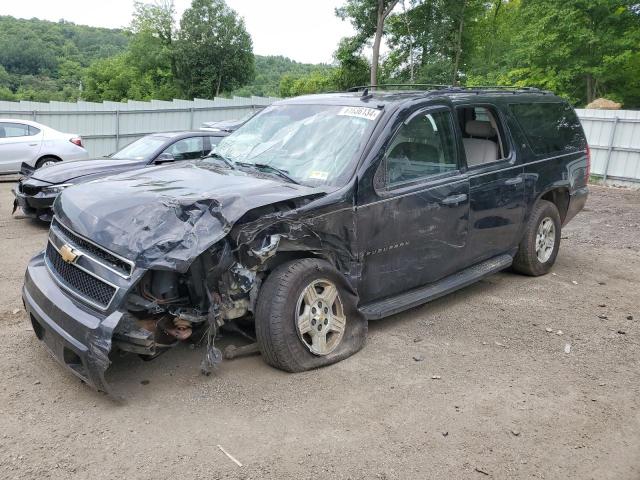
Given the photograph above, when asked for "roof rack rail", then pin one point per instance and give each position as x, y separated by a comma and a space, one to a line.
410, 85
450, 88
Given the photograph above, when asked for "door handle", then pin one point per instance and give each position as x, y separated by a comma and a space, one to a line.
33, 144
513, 181
454, 199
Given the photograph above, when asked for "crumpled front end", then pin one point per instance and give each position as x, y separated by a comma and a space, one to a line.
76, 337
86, 299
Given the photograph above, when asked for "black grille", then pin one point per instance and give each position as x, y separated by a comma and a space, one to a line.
97, 252
78, 280
28, 189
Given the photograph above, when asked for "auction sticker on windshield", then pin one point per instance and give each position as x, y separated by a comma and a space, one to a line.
318, 175
361, 112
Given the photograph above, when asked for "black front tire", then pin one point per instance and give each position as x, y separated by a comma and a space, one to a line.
278, 337
526, 260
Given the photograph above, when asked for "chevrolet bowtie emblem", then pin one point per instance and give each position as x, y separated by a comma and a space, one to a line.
68, 254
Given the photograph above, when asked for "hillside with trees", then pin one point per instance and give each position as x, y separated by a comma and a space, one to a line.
42, 60
580, 49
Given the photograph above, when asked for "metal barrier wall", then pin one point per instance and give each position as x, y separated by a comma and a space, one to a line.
614, 139
106, 127
613, 135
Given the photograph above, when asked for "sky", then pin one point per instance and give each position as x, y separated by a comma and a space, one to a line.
304, 30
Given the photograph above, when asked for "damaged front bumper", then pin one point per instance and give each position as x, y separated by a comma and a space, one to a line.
78, 338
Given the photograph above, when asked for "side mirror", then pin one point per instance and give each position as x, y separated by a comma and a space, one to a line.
164, 158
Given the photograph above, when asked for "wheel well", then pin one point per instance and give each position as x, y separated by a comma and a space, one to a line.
286, 256
55, 157
560, 198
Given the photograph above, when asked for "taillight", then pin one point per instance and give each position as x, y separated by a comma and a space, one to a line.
76, 141
588, 170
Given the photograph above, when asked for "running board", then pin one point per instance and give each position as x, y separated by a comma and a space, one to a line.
418, 296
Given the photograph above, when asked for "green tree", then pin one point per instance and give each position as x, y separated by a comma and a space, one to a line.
214, 51
368, 18
581, 49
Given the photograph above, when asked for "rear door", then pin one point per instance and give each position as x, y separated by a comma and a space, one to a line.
18, 143
413, 229
496, 183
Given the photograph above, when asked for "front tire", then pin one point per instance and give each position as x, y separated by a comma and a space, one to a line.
539, 247
307, 317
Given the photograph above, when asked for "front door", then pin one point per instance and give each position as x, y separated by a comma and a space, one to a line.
413, 230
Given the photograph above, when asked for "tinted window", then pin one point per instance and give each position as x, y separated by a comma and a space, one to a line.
215, 140
33, 131
483, 135
140, 149
210, 143
549, 127
423, 147
13, 130
186, 149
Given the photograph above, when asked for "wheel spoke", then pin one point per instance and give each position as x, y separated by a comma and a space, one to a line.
329, 294
304, 320
337, 323
310, 295
319, 342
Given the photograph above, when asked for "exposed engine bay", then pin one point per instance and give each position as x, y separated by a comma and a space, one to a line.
167, 307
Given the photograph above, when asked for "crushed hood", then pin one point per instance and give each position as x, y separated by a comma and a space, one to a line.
164, 217
68, 171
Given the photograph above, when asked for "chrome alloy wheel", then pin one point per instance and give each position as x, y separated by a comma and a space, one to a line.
545, 239
320, 319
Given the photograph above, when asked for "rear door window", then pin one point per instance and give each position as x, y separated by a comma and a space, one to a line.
9, 130
483, 135
549, 127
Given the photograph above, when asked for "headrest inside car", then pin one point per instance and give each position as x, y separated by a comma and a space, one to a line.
477, 128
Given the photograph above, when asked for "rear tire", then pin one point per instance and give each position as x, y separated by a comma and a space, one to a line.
539, 247
294, 338
46, 161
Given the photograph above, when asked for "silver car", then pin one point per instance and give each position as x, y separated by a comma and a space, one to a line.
36, 145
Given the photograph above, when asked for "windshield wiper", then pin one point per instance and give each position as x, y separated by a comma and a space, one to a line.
271, 168
220, 157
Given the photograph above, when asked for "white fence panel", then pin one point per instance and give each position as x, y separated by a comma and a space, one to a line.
108, 126
613, 135
614, 139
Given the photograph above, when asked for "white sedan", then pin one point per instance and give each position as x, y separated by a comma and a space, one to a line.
36, 145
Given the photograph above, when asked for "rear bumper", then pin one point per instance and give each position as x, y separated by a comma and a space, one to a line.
76, 337
577, 201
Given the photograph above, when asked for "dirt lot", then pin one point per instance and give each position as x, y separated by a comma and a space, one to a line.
507, 401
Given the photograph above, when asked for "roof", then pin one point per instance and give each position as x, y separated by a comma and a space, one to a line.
379, 97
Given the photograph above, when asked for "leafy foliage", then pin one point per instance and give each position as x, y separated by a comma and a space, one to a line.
214, 51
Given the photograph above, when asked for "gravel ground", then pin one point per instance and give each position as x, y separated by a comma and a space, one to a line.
494, 395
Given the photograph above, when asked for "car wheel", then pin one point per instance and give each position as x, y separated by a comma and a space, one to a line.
539, 247
46, 161
307, 317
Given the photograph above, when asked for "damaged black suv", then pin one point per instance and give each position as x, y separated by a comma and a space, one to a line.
319, 214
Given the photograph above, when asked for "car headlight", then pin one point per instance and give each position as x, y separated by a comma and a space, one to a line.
56, 188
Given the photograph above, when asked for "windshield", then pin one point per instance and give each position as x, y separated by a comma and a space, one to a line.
312, 144
140, 149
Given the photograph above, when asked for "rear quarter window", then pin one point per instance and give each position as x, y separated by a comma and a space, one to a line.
549, 127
